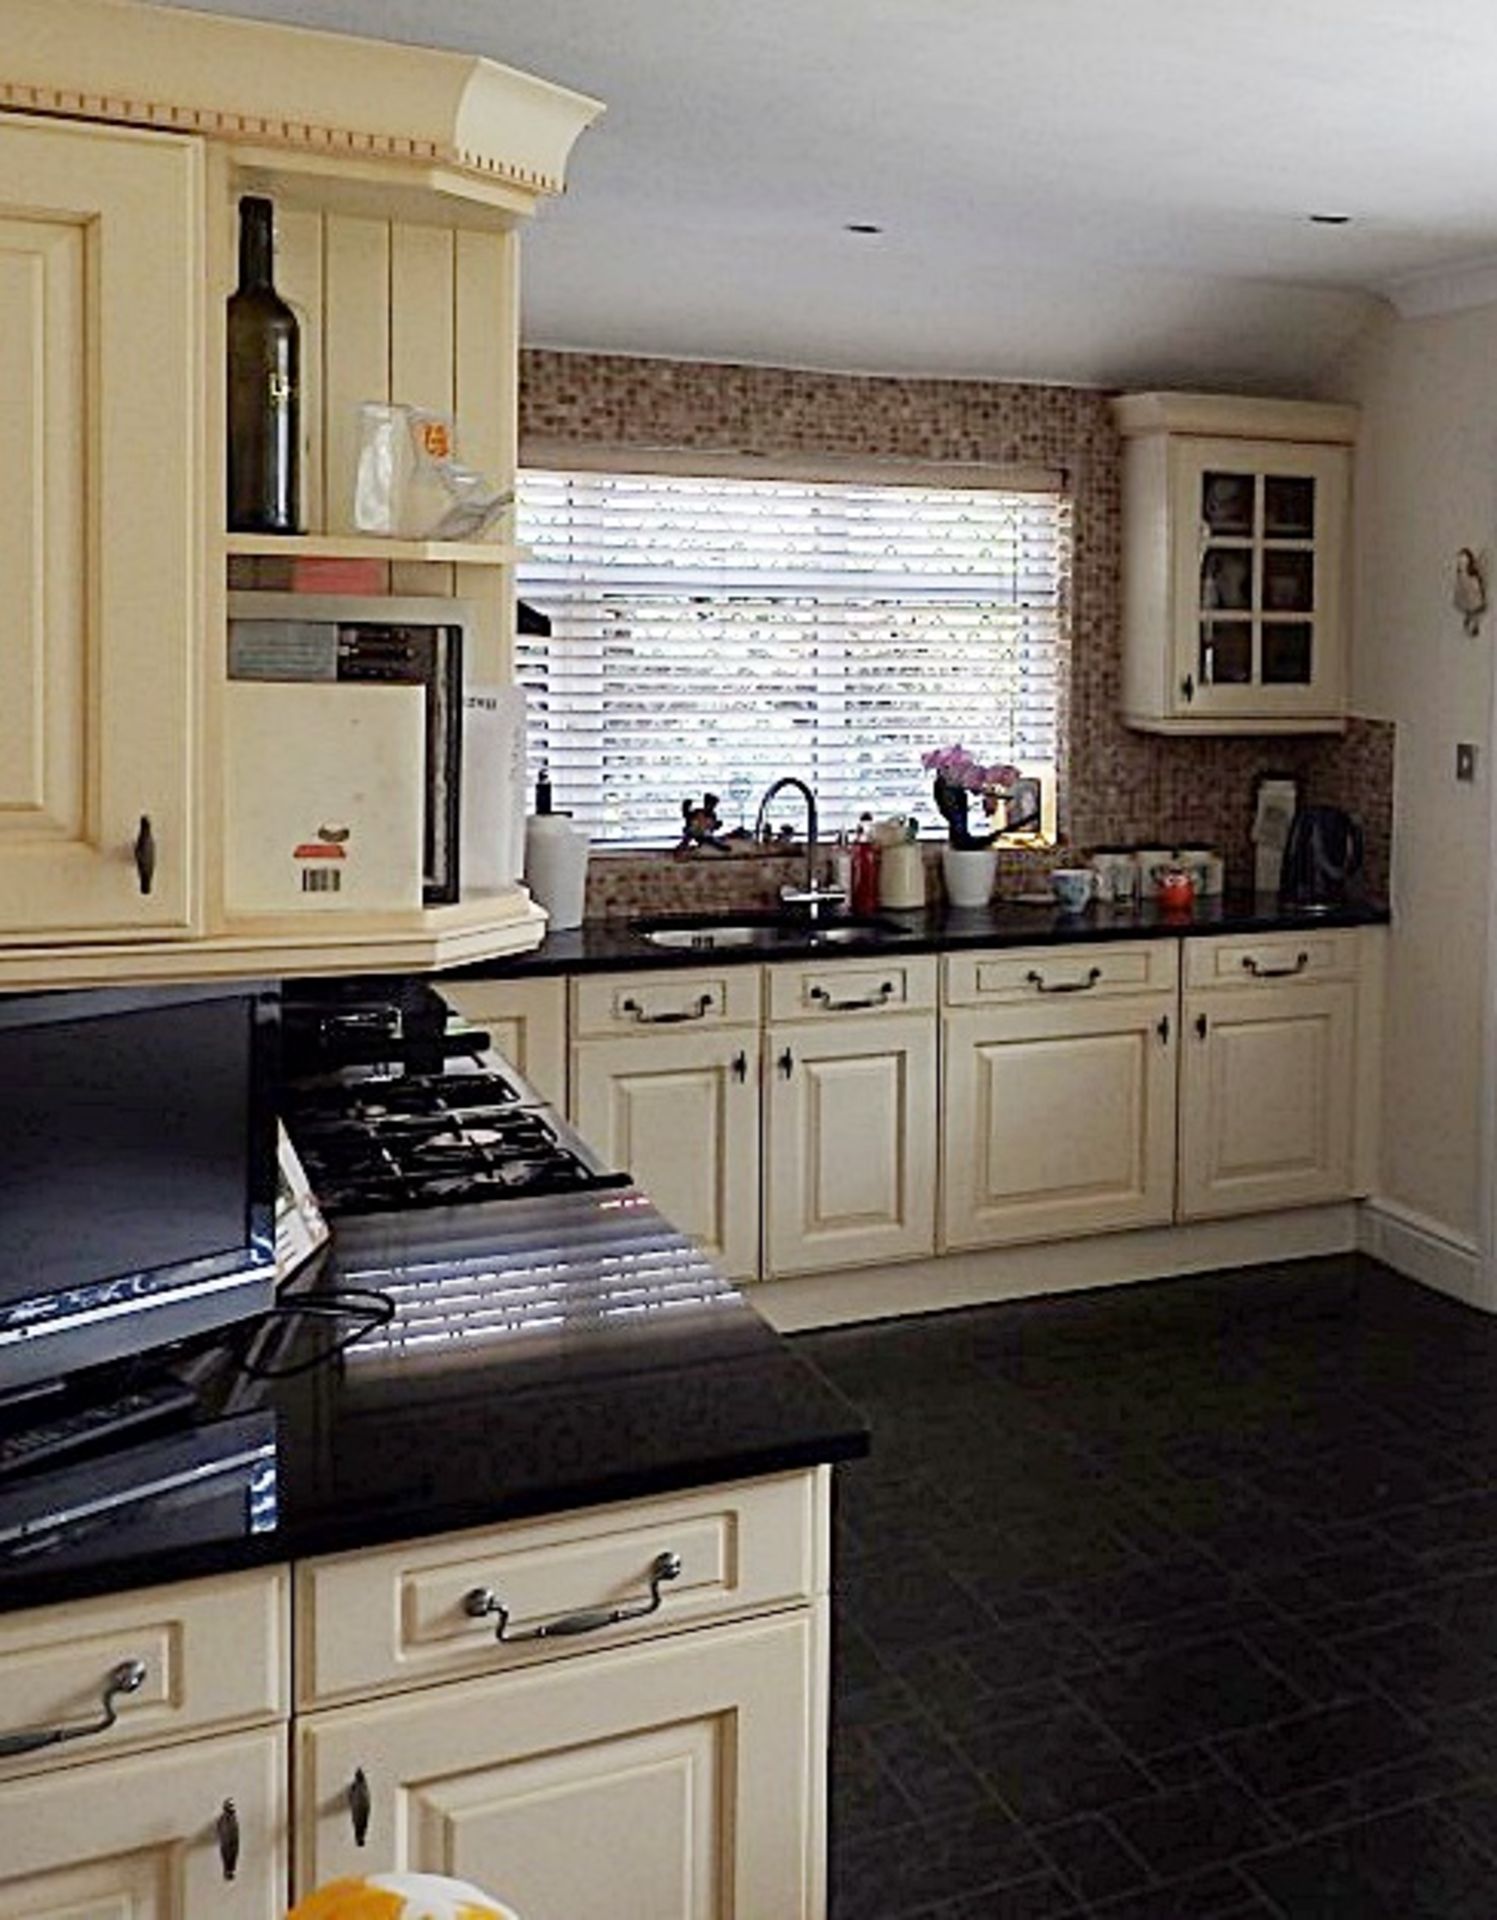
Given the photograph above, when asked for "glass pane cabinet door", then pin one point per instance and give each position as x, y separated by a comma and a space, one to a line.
1267, 525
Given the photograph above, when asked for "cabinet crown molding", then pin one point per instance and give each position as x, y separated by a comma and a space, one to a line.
252, 83
1235, 416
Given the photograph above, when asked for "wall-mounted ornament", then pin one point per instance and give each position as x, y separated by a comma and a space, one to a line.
1469, 595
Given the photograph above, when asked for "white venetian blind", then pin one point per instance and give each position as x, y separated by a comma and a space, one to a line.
712, 634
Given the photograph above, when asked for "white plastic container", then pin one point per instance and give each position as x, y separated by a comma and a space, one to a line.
556, 868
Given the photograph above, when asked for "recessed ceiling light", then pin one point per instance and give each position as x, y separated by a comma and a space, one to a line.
1330, 219
861, 226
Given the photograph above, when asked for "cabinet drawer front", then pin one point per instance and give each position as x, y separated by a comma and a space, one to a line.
1038, 974
1270, 959
645, 1002
214, 1654
527, 1022
374, 1622
822, 991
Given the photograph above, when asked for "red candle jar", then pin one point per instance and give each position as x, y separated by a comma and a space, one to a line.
1177, 891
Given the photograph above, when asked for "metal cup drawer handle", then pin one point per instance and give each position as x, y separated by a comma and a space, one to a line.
1250, 964
482, 1603
127, 1678
881, 998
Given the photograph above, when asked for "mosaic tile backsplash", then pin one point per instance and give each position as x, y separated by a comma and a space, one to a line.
1116, 786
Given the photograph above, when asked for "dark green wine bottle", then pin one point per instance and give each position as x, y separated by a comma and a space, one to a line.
264, 387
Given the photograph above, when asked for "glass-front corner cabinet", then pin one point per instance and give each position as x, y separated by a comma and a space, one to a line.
1235, 518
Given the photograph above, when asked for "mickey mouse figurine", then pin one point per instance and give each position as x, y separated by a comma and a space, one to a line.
702, 829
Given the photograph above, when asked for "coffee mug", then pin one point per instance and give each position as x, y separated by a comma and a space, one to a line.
1073, 887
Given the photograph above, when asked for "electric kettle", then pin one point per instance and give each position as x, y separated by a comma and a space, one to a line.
1321, 856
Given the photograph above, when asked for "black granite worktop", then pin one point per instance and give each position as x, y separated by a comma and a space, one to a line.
397, 1440
602, 946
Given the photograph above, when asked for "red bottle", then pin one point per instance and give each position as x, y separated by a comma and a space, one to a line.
864, 877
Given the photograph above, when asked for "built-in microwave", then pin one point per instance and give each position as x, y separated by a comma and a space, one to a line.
345, 752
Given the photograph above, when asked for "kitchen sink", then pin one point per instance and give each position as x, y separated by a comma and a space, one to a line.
710, 933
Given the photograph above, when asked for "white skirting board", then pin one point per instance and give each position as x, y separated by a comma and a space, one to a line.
1426, 1250
1056, 1266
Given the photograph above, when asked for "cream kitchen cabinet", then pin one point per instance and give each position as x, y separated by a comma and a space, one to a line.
1236, 531
100, 625
1058, 1110
526, 1021
850, 1153
1269, 1079
665, 1084
165, 1799
677, 1779
127, 766
849, 1113
175, 1834
680, 1113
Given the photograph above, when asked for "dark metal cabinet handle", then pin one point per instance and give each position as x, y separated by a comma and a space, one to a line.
144, 850
1163, 1029
1040, 985
1188, 687
360, 1806
786, 1064
127, 1678
698, 1010
1250, 965
1200, 1026
482, 1603
880, 999
740, 1066
226, 1827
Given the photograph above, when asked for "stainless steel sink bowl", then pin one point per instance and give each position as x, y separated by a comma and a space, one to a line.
710, 933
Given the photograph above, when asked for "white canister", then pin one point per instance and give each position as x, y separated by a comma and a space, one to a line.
1117, 876
556, 868
1197, 863
901, 876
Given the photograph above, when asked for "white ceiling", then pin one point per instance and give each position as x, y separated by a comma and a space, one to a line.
1107, 191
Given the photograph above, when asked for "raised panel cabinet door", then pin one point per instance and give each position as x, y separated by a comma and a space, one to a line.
1267, 1090
527, 1022
178, 1834
680, 1113
851, 1142
679, 1780
1058, 1119
100, 366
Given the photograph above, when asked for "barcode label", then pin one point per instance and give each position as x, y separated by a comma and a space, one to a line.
321, 880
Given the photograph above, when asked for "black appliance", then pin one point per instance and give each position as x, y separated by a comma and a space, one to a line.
1322, 859
390, 1109
137, 1172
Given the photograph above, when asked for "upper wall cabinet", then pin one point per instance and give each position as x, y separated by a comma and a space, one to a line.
400, 178
100, 295
1235, 523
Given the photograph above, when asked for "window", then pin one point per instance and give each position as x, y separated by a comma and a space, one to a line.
712, 634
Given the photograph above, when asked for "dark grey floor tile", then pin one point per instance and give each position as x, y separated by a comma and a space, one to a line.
1181, 1696
1090, 1856
1051, 1766
1195, 1828
932, 1775
1334, 1743
1417, 1663
1413, 1865
1218, 1894
1407, 1783
1310, 1667
1046, 1897
900, 1872
864, 1798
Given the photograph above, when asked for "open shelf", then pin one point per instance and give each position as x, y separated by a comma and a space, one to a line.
369, 546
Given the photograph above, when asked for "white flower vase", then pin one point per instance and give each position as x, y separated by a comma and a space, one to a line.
969, 873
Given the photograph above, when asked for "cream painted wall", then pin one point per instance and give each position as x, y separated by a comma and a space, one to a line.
1427, 485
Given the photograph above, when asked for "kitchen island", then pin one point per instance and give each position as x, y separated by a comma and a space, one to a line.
533, 1558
